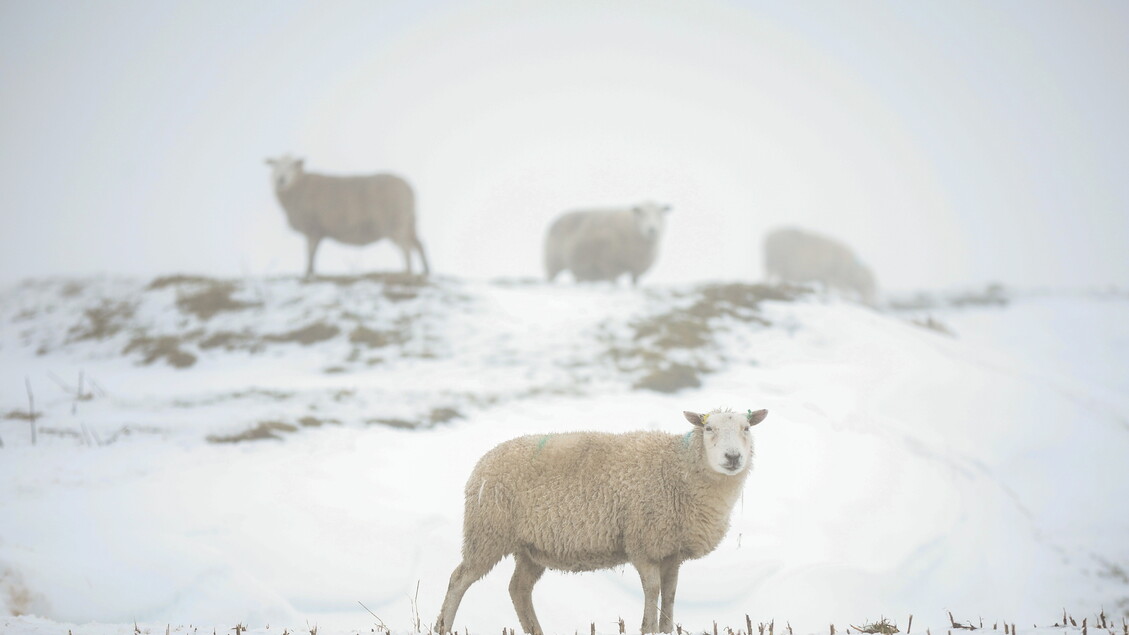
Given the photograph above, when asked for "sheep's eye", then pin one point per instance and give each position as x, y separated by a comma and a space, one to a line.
709, 428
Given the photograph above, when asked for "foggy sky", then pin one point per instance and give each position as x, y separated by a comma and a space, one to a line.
950, 143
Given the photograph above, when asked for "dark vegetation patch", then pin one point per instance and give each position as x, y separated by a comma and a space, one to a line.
230, 341
104, 320
23, 415
310, 421
309, 334
165, 347
212, 299
179, 279
264, 430
388, 278
375, 339
928, 322
71, 289
435, 417
686, 333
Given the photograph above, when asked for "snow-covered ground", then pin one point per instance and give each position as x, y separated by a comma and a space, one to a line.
901, 470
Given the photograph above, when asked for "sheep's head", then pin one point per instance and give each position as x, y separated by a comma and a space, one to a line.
650, 219
284, 170
726, 438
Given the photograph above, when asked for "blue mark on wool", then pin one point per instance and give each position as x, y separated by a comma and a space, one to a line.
542, 442
686, 439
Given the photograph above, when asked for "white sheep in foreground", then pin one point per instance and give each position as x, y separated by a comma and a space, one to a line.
603, 244
355, 210
591, 500
796, 255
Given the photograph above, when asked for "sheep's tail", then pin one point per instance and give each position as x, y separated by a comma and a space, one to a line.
422, 255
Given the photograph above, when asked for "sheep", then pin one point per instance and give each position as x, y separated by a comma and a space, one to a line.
603, 244
355, 210
796, 255
585, 501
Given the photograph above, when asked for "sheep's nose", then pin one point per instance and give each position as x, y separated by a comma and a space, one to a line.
732, 458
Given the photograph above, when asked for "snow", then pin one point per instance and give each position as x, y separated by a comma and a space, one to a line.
900, 470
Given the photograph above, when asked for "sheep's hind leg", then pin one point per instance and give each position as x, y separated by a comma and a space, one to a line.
526, 574
466, 574
669, 573
650, 575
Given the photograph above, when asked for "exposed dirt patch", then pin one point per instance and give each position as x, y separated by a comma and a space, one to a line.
165, 347
264, 430
309, 334
670, 378
107, 319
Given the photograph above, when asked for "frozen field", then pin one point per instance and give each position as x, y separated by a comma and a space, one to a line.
273, 453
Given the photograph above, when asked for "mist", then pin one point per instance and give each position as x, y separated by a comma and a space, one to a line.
953, 144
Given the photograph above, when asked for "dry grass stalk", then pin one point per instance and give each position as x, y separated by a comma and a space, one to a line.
881, 627
622, 627
909, 625
958, 625
31, 417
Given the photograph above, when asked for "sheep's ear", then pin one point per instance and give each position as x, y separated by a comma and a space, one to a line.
693, 417
756, 417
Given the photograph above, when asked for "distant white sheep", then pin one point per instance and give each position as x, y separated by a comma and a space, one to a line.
355, 210
796, 255
590, 500
603, 244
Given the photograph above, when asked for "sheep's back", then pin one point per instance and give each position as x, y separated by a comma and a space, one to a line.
351, 209
567, 498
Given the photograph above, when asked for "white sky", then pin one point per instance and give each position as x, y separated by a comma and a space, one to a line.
949, 143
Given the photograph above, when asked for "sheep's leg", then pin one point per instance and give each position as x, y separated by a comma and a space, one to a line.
422, 255
526, 574
669, 573
311, 251
650, 575
407, 251
466, 574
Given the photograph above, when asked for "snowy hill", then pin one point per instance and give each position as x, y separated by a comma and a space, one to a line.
274, 451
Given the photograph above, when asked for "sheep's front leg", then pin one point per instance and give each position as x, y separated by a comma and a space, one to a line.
650, 575
311, 251
669, 572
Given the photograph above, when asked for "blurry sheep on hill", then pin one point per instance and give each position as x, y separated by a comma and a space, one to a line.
355, 210
585, 501
796, 255
603, 244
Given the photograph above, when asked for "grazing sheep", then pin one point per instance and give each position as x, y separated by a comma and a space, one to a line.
604, 244
795, 255
590, 500
355, 210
